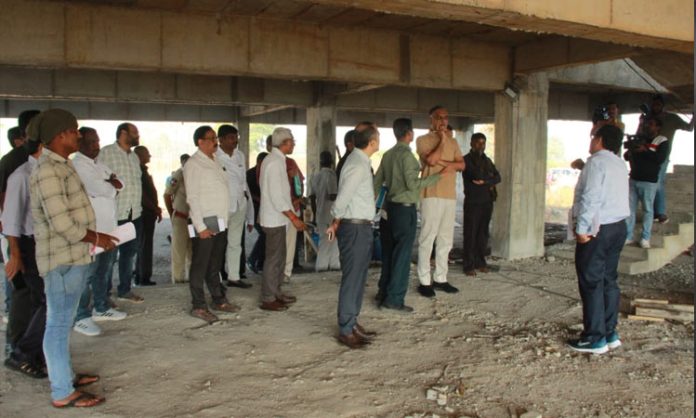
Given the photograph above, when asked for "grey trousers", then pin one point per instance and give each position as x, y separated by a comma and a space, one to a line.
355, 246
205, 268
273, 264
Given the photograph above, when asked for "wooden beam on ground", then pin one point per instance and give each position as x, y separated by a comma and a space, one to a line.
645, 318
665, 314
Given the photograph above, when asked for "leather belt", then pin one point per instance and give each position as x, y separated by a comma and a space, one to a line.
181, 215
357, 221
406, 205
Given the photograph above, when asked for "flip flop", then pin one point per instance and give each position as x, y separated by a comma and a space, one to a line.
89, 400
82, 379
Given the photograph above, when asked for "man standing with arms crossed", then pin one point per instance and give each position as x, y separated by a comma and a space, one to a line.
600, 207
126, 165
400, 170
437, 150
353, 212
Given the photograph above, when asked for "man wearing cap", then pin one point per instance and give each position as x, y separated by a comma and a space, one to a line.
437, 150
277, 217
208, 198
64, 226
175, 202
241, 210
126, 165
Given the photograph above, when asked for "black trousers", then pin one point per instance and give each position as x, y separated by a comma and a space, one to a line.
143, 265
206, 259
596, 263
477, 217
28, 314
397, 236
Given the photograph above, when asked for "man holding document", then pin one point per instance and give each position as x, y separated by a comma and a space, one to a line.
101, 185
208, 199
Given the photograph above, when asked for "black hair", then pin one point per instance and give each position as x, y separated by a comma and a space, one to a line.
24, 118
183, 158
611, 138
122, 127
325, 159
362, 139
401, 127
261, 157
200, 133
657, 121
435, 109
349, 137
477, 135
226, 130
85, 130
659, 98
14, 133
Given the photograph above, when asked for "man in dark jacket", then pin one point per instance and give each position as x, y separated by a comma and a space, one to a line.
480, 177
646, 161
151, 213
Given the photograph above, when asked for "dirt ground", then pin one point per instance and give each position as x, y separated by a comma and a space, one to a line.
496, 349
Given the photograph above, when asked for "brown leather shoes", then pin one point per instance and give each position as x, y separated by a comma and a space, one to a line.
204, 314
470, 272
363, 333
287, 299
275, 305
484, 270
226, 307
351, 340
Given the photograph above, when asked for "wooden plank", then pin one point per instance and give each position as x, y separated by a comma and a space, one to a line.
666, 314
658, 301
645, 318
671, 307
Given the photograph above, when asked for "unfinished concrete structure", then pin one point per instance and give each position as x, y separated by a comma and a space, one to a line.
329, 62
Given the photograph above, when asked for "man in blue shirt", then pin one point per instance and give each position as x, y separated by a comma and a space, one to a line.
600, 207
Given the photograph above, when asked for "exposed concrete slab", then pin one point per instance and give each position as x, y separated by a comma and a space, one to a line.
84, 84
138, 85
31, 35
206, 88
616, 73
26, 82
375, 55
477, 64
431, 65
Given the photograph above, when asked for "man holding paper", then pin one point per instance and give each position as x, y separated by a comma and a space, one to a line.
208, 199
101, 186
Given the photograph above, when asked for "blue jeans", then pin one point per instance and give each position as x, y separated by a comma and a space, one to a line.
660, 204
126, 257
64, 286
98, 278
643, 192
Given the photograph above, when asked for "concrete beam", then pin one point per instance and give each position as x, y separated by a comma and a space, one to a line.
627, 22
618, 74
559, 52
190, 43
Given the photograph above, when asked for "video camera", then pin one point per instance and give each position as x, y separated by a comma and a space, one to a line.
633, 142
600, 113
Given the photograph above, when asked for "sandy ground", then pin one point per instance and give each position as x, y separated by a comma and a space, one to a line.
496, 349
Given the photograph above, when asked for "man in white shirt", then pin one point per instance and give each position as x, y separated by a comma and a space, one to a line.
233, 161
276, 213
208, 197
353, 213
122, 160
102, 186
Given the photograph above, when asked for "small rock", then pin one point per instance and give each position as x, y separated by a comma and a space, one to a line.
431, 395
550, 258
531, 414
448, 409
442, 399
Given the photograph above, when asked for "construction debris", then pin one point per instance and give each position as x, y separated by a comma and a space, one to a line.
659, 309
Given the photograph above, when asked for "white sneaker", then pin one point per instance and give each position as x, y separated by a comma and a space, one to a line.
644, 243
87, 327
110, 314
629, 242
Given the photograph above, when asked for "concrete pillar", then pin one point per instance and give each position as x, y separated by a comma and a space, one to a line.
517, 228
321, 134
244, 131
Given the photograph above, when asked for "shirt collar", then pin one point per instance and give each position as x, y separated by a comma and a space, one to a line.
52, 155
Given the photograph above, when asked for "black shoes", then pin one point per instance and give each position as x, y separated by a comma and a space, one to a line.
146, 283
445, 287
401, 309
238, 283
426, 291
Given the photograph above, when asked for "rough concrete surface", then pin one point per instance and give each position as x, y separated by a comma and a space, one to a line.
496, 349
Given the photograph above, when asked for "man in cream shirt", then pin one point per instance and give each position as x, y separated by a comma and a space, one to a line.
208, 197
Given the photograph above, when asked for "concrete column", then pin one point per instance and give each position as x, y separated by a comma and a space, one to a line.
517, 228
321, 134
244, 131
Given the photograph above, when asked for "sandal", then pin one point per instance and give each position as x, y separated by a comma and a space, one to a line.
25, 367
82, 379
82, 400
205, 315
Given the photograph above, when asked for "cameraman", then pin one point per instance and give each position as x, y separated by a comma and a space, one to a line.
670, 123
602, 115
645, 160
